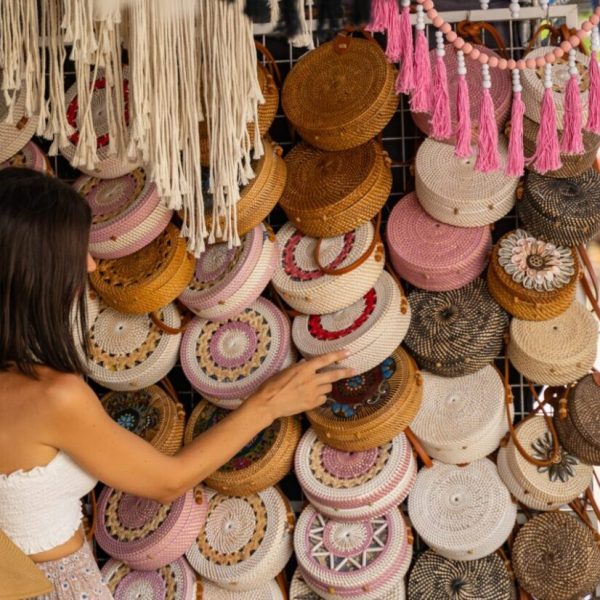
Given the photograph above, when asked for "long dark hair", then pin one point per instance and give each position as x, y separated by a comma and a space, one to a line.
44, 236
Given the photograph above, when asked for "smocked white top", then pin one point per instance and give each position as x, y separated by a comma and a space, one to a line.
41, 508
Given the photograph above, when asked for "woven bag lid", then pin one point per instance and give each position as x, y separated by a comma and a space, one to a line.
30, 156
301, 280
262, 462
435, 577
144, 533
207, 590
462, 512
433, 255
451, 190
246, 541
152, 414
583, 409
108, 166
228, 280
127, 213
558, 351
500, 91
370, 409
354, 486
129, 352
457, 332
555, 556
19, 130
370, 329
364, 559
175, 581
532, 81
573, 441
231, 360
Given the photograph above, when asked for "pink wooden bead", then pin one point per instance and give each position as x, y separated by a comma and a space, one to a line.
558, 52
467, 48
437, 22
428, 4
530, 63
540, 61
459, 43
550, 58
511, 64
595, 19
483, 58
566, 46
521, 65
475, 53
587, 26
446, 28
451, 36
575, 41
432, 14
493, 61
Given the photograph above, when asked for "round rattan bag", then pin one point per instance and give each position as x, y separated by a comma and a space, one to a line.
246, 540
207, 590
563, 211
145, 534
463, 513
371, 409
331, 193
452, 191
435, 577
355, 486
558, 351
264, 461
127, 213
229, 280
154, 414
432, 255
364, 560
19, 130
369, 329
129, 352
342, 94
31, 157
320, 276
555, 557
532, 279
457, 332
175, 581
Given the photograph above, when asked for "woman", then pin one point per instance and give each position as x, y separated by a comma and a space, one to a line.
56, 440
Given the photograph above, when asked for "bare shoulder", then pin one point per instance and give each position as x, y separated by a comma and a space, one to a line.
66, 392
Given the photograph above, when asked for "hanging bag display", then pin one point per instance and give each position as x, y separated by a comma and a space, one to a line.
30, 156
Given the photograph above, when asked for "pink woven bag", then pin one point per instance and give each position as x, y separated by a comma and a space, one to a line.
432, 255
30, 156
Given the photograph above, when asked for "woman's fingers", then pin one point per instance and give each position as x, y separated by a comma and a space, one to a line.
327, 359
333, 376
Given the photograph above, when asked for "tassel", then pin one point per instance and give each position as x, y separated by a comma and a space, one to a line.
547, 154
304, 37
593, 122
379, 17
572, 138
488, 158
441, 123
394, 47
405, 82
515, 165
421, 97
463, 111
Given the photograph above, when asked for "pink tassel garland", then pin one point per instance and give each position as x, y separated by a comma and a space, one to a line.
394, 48
593, 122
515, 164
421, 96
463, 113
572, 138
488, 158
547, 153
441, 123
379, 16
405, 82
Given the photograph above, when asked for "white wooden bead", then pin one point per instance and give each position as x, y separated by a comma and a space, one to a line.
547, 75
405, 3
596, 38
515, 9
420, 18
516, 81
487, 80
439, 39
572, 67
485, 4
462, 67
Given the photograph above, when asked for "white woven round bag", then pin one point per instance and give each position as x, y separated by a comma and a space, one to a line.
130, 352
246, 541
320, 276
207, 590
355, 486
463, 513
19, 130
452, 191
370, 329
461, 419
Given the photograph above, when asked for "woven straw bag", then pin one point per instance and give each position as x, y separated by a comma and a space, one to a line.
150, 278
432, 255
320, 276
19, 131
29, 156
207, 590
452, 191
127, 213
231, 360
500, 92
563, 211
455, 333
555, 557
129, 352
558, 351
355, 486
461, 419
371, 409
532, 279
246, 541
147, 535
175, 581
229, 280
463, 513
331, 193
363, 559
153, 413
261, 463
342, 94
435, 577
369, 329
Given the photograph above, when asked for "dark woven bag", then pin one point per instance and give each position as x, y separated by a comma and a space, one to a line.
455, 333
562, 211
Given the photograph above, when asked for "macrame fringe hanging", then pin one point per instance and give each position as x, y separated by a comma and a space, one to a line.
420, 100
303, 38
488, 158
593, 122
515, 164
441, 123
463, 147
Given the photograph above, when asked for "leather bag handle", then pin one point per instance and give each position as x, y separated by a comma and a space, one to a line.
473, 30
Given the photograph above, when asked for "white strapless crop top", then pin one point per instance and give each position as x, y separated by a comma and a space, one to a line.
41, 508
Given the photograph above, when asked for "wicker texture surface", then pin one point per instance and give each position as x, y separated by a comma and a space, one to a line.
29, 156
15, 134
